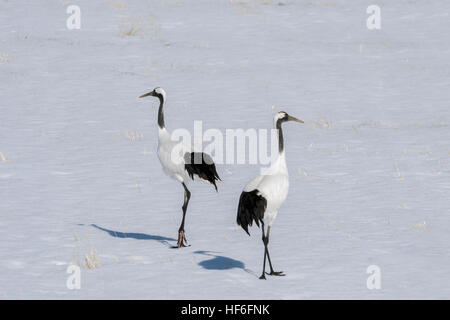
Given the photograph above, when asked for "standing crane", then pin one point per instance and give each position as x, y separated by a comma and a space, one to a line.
179, 162
262, 197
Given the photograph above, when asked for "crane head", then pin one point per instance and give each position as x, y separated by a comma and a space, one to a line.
157, 92
283, 117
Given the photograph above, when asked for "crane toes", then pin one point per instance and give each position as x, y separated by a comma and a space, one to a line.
276, 273
263, 277
181, 240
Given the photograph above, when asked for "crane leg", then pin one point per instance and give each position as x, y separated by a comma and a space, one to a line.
181, 235
263, 275
266, 243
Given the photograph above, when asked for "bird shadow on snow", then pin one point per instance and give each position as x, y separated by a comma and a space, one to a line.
218, 262
137, 236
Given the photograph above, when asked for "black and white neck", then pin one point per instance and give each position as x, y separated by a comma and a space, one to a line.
161, 123
279, 119
280, 162
278, 126
161, 95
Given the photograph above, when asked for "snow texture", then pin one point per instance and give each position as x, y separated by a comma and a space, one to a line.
369, 169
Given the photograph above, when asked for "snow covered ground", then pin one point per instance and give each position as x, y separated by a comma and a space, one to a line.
370, 169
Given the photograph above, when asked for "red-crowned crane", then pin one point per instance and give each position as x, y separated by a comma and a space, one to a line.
263, 196
179, 162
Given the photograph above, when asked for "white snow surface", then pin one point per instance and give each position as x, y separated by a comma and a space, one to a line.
369, 169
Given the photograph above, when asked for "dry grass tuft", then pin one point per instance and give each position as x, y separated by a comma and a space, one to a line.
421, 226
325, 4
92, 260
248, 6
397, 175
137, 185
344, 148
116, 4
323, 123
302, 172
129, 32
133, 136
132, 27
3, 158
4, 58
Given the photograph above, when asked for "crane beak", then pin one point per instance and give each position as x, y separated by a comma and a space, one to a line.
291, 118
152, 93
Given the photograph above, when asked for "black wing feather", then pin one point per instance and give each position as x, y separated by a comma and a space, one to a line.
251, 208
202, 165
